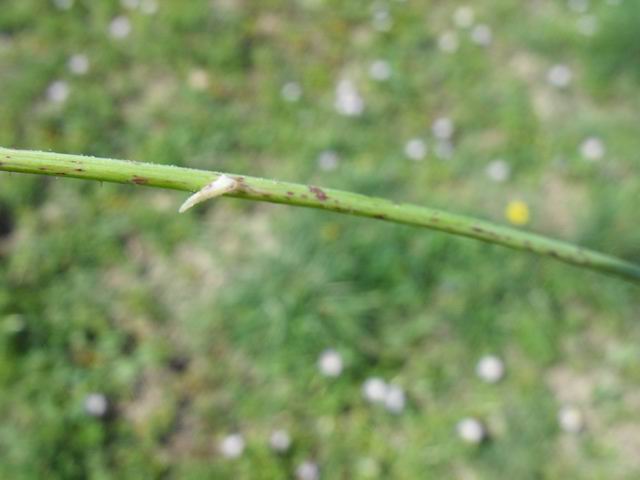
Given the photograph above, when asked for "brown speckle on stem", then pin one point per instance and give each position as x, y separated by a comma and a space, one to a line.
139, 180
318, 192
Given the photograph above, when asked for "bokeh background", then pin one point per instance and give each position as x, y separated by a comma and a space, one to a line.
246, 340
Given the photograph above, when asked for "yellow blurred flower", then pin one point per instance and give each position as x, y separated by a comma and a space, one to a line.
517, 212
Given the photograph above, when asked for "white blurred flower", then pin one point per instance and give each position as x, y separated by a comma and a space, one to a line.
490, 369
78, 64
58, 92
380, 70
330, 363
579, 6
471, 430
96, 405
149, 7
570, 419
560, 76
415, 149
374, 390
482, 35
120, 27
348, 100
394, 399
232, 446
291, 91
328, 160
498, 171
443, 128
63, 4
130, 4
198, 79
444, 149
280, 441
308, 471
587, 25
463, 16
592, 148
448, 42
381, 20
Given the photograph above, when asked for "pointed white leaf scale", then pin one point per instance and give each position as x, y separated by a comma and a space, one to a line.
221, 185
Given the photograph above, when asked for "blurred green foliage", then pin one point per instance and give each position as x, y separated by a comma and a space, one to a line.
201, 325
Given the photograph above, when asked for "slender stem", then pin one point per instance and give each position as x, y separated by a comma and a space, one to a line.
260, 189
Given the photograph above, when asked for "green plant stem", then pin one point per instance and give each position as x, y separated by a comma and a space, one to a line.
260, 189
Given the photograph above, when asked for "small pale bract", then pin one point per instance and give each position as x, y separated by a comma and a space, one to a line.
223, 184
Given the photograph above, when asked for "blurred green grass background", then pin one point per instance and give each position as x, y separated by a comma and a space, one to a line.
198, 326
